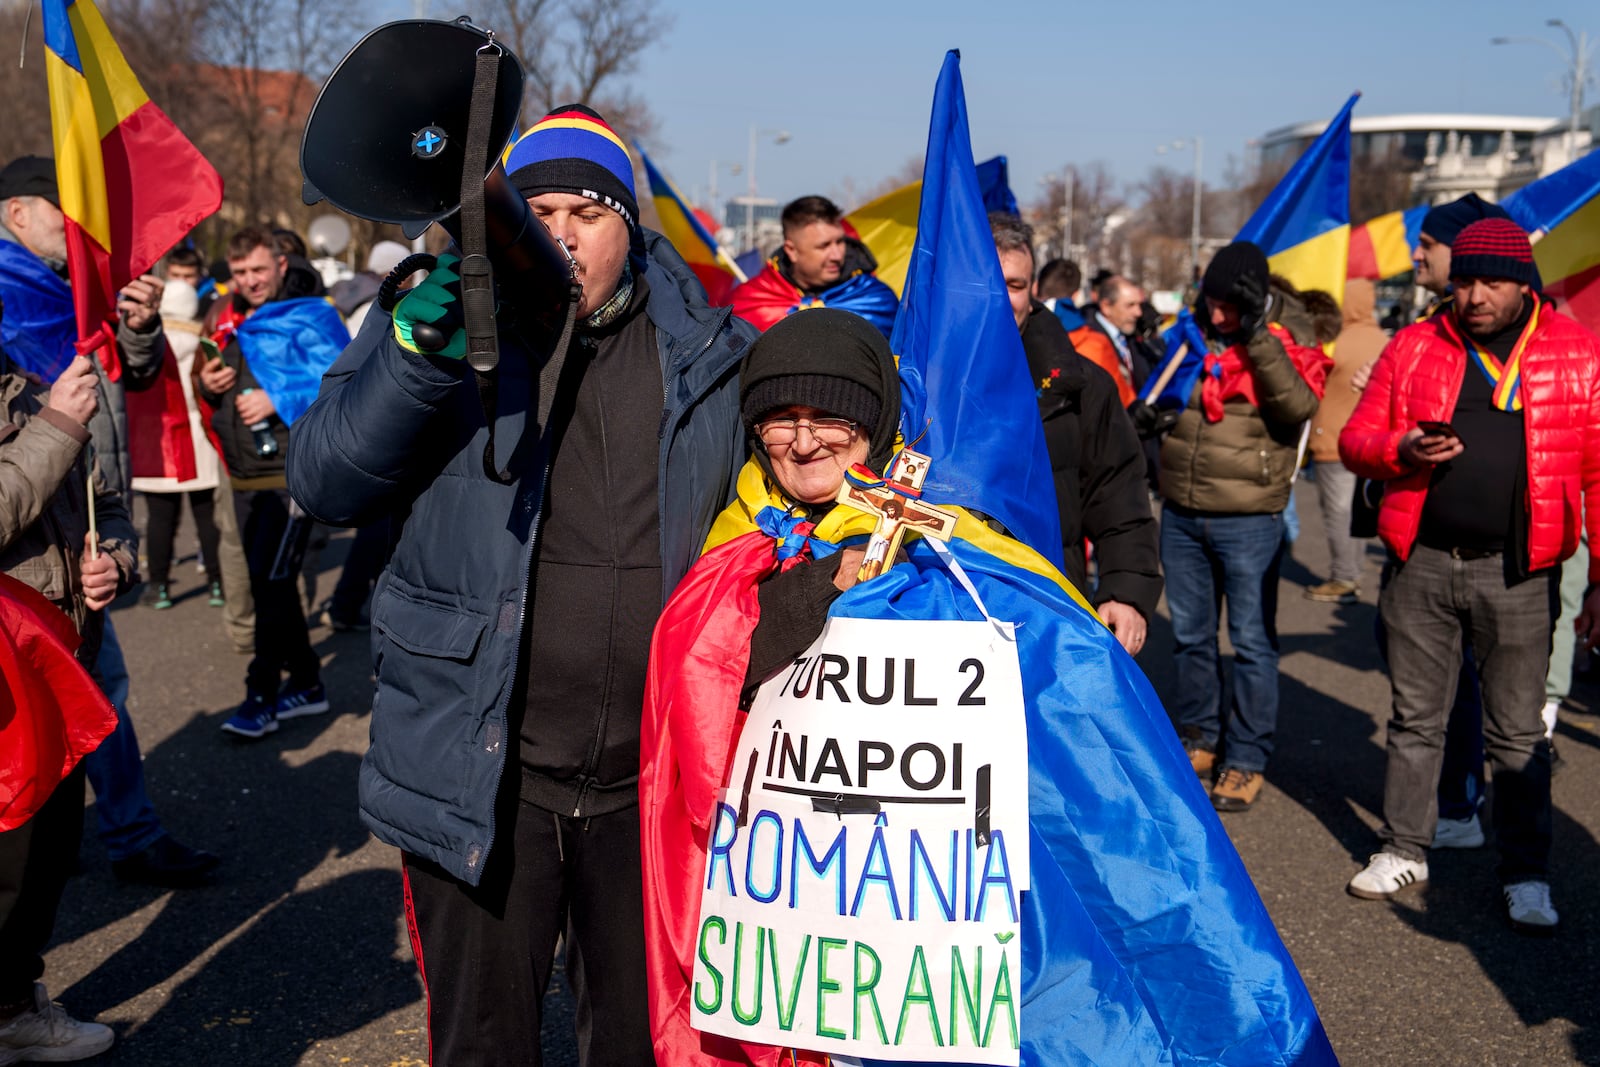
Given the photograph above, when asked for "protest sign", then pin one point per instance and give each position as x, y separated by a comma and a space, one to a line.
866, 859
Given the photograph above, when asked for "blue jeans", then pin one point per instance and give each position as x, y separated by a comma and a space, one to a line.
1206, 558
128, 822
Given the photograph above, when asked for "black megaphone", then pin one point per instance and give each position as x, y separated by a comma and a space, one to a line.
386, 141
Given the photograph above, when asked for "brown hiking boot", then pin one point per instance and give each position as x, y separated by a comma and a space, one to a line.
1236, 790
1332, 592
1202, 757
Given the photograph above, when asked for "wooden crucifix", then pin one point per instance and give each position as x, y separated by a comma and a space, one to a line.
896, 504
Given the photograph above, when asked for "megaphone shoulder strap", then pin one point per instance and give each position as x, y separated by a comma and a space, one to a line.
477, 274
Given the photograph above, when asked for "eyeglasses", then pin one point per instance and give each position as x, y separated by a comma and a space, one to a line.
831, 433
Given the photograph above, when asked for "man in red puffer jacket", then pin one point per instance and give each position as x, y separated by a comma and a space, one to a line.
1485, 423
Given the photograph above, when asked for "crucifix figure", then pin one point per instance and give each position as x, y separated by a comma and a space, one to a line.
895, 503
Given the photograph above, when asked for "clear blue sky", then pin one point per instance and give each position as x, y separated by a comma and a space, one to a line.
1052, 83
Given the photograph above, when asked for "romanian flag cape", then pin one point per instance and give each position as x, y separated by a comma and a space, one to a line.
694, 242
289, 345
1304, 224
52, 713
38, 327
769, 296
131, 184
1144, 941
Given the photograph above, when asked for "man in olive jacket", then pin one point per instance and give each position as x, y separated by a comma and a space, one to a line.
1226, 472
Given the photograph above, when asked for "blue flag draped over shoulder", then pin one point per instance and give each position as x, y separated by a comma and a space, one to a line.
1144, 940
38, 330
289, 345
958, 342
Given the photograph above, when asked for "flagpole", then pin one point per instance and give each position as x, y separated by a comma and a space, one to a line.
1166, 374
94, 529
728, 262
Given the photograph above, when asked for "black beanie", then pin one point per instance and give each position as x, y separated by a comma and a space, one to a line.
827, 359
1231, 264
1444, 222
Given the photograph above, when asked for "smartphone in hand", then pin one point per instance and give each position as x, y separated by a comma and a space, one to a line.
209, 348
1435, 428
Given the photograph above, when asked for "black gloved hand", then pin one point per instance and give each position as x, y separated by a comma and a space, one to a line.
1150, 421
1250, 297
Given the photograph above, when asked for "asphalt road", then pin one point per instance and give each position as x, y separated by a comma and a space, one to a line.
299, 954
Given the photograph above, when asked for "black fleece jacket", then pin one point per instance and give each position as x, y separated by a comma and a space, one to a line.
1098, 467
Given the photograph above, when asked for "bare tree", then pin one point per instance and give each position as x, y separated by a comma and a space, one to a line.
581, 53
1096, 203
271, 56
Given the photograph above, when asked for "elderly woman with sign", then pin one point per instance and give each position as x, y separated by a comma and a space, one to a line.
904, 798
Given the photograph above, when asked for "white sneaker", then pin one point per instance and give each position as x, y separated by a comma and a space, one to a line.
1385, 874
1458, 833
45, 1033
1529, 909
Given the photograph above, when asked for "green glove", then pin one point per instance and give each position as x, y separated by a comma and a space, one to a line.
436, 303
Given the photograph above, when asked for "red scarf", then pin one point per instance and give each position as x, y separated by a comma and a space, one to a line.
1230, 375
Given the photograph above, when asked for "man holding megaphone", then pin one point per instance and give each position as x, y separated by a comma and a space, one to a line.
512, 627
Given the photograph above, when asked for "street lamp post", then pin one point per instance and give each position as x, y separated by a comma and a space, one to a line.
1577, 59
734, 169
778, 137
1198, 144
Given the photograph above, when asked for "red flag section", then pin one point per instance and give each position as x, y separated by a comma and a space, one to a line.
52, 713
698, 661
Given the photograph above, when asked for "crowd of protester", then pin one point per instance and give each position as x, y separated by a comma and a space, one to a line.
1408, 440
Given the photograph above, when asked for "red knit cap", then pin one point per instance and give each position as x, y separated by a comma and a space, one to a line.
1493, 248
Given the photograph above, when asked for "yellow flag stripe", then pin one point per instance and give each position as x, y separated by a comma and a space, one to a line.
888, 226
79, 168
1319, 263
116, 92
1571, 247
755, 492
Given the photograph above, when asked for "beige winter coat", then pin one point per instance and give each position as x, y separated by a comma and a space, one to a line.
1357, 345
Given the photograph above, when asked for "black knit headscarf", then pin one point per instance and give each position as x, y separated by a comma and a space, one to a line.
827, 359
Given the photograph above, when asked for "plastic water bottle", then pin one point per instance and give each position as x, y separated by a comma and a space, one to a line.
266, 443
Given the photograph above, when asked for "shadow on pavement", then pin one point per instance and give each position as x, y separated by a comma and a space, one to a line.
1542, 979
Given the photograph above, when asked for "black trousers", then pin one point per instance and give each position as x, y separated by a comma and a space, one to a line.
485, 953
162, 529
282, 641
35, 861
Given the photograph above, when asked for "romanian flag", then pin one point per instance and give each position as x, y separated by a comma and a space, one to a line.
1144, 941
131, 183
1561, 212
967, 396
1381, 248
694, 242
888, 225
1304, 225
